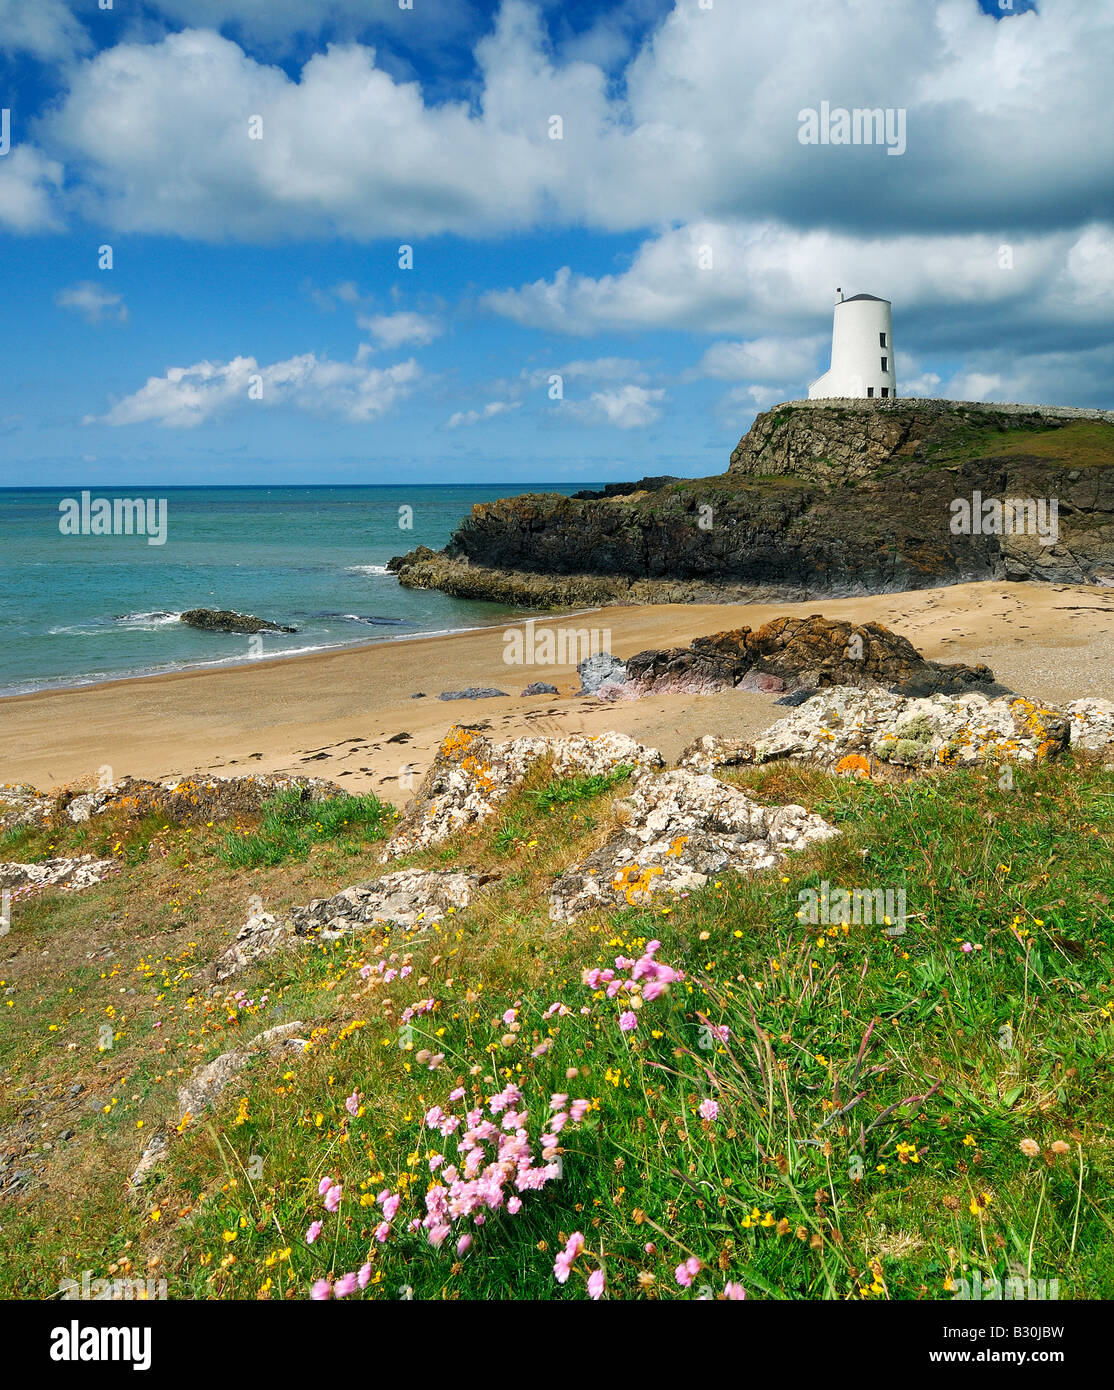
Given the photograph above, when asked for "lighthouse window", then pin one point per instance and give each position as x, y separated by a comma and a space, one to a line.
870, 390
881, 340
885, 390
884, 361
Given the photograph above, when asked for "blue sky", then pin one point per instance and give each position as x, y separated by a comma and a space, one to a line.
672, 257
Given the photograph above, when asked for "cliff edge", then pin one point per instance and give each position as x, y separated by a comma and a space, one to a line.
820, 498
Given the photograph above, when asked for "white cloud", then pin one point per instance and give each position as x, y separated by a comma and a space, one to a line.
717, 277
474, 417
43, 28
703, 123
93, 302
29, 183
761, 359
393, 331
188, 396
626, 407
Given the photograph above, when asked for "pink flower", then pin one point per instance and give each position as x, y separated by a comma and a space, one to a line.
596, 1284
364, 1276
458, 1094
382, 1231
333, 1196
967, 947
628, 1021
514, 1205
323, 1186
390, 1206
709, 1110
734, 1293
561, 1266
346, 1284
321, 1291
575, 1244
462, 1245
578, 1109
313, 1232
687, 1272
510, 1016
352, 1104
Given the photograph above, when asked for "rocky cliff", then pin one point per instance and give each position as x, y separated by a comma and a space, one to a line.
824, 497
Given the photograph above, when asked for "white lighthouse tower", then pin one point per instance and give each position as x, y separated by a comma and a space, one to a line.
862, 351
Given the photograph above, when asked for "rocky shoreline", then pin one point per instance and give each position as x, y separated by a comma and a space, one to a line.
835, 498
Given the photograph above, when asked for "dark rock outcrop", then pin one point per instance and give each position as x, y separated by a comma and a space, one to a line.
225, 620
822, 498
813, 652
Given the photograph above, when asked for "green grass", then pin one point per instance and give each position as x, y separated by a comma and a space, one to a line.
569, 790
1082, 443
873, 1090
292, 825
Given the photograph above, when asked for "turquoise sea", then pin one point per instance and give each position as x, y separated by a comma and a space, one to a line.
76, 609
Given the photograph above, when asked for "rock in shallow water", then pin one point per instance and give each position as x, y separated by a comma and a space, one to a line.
225, 620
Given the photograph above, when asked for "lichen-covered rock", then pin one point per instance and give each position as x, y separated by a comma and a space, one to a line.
947, 730
681, 828
206, 1084
716, 750
262, 935
406, 898
1091, 725
74, 874
193, 798
21, 805
471, 775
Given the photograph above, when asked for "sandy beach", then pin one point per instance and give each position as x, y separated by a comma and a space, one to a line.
350, 715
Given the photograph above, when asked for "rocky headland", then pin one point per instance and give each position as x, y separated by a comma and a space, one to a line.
833, 498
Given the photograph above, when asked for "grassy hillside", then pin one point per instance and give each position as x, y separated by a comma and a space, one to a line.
871, 1093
